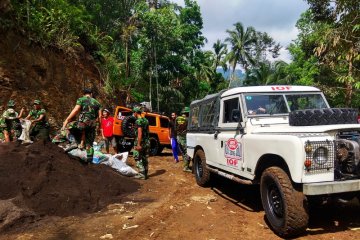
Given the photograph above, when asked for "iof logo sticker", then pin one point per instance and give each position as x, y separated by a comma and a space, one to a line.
232, 152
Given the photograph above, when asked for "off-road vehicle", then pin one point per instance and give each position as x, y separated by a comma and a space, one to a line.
124, 132
285, 138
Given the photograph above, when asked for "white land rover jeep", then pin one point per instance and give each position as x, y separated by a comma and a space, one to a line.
285, 138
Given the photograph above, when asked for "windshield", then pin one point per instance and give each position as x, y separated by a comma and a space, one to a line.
305, 101
269, 104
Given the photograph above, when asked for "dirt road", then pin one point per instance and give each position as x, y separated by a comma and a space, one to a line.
171, 206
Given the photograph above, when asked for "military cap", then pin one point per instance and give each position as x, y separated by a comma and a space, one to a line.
185, 110
11, 103
10, 114
137, 110
37, 102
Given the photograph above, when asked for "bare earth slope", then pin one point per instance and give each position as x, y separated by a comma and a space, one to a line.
29, 71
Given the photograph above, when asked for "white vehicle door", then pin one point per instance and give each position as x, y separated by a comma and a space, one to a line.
229, 140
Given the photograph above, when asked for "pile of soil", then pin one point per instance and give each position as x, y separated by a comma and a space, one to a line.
40, 179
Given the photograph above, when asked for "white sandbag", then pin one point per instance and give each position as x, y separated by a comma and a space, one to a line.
78, 153
122, 156
120, 165
25, 133
117, 161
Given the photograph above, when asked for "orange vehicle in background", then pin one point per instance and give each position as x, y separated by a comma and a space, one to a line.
124, 130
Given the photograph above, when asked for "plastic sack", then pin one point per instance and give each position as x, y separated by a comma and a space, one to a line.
78, 153
120, 165
25, 134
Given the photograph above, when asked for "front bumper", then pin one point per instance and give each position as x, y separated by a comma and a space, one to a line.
331, 187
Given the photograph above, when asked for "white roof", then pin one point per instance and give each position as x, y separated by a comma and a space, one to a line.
269, 89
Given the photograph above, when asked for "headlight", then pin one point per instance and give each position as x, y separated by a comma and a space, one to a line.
321, 155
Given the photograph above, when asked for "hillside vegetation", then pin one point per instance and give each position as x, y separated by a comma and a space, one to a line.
137, 50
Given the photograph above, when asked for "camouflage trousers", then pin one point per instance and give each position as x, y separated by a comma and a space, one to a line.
12, 127
39, 132
141, 158
182, 146
90, 133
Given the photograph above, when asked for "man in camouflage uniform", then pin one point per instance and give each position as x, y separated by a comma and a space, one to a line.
40, 126
181, 130
9, 123
141, 143
90, 115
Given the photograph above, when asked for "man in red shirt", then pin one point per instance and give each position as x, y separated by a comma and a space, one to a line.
107, 123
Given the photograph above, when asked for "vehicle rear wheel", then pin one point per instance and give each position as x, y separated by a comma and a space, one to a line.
285, 207
122, 145
154, 146
202, 174
161, 148
127, 126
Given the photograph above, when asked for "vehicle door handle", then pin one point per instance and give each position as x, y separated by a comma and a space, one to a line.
216, 134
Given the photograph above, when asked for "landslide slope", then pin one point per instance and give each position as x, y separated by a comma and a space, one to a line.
29, 71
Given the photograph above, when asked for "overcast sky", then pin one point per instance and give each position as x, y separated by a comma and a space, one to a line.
276, 17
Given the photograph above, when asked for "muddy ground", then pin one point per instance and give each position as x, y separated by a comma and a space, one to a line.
169, 205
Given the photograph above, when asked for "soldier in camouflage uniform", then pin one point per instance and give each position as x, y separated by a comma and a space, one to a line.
141, 144
40, 126
181, 130
9, 123
90, 115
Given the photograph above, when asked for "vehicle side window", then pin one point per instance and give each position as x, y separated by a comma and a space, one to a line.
207, 115
194, 115
164, 122
152, 120
231, 110
121, 115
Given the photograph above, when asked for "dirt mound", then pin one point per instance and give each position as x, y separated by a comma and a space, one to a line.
42, 180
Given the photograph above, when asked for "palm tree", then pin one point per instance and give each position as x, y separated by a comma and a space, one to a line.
220, 51
281, 75
267, 73
261, 75
241, 41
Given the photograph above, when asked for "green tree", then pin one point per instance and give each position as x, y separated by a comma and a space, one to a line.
220, 51
241, 42
338, 46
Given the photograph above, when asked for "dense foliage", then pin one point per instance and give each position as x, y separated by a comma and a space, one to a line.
152, 50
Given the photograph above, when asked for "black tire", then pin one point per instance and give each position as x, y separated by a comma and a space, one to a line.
161, 148
122, 148
154, 146
127, 126
285, 207
325, 116
202, 174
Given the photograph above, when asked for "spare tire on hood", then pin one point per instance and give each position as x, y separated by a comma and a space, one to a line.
127, 126
324, 116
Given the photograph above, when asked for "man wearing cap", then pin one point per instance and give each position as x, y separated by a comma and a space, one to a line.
40, 126
89, 110
107, 124
181, 130
141, 143
9, 122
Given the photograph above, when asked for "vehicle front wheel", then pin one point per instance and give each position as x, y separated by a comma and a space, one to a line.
202, 174
154, 146
285, 207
